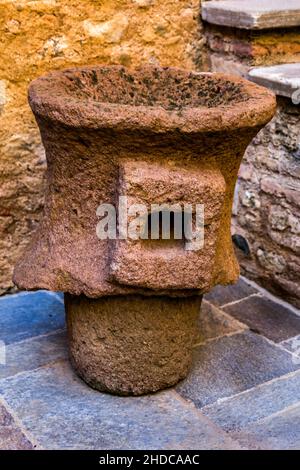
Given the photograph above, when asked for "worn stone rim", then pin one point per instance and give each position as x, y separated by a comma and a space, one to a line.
72, 112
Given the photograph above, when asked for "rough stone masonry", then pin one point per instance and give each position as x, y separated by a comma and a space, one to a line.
241, 35
267, 210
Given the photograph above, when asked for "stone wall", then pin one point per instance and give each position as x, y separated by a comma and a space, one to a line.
38, 36
267, 205
246, 48
266, 211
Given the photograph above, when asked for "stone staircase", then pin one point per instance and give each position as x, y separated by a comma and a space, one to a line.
257, 14
283, 79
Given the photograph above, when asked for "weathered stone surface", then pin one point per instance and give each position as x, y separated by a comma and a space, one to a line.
283, 79
61, 412
221, 295
233, 364
219, 63
3, 94
153, 136
109, 31
131, 344
26, 315
278, 432
270, 224
213, 323
237, 50
145, 106
266, 317
11, 436
269, 182
259, 14
255, 404
271, 172
33, 353
167, 264
46, 35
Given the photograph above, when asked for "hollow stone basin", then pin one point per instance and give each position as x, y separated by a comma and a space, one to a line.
151, 135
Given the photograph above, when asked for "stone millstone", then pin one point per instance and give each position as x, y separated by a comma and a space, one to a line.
131, 345
153, 136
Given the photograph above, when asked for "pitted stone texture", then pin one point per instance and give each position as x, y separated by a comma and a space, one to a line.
152, 263
257, 14
131, 345
49, 34
95, 118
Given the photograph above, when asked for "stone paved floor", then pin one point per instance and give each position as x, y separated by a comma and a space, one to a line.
243, 391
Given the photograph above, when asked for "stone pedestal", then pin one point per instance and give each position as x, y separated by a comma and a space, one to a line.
131, 345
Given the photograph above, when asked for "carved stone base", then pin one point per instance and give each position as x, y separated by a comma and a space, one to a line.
131, 345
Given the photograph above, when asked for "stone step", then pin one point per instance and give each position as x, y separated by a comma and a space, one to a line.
266, 317
233, 364
30, 314
280, 431
283, 79
254, 15
244, 409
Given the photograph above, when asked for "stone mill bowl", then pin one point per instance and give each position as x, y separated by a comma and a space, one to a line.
149, 137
